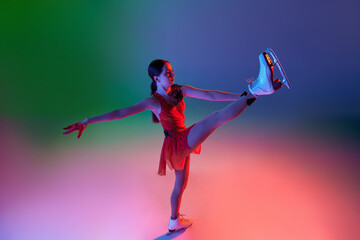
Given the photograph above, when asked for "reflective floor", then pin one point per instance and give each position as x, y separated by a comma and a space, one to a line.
244, 185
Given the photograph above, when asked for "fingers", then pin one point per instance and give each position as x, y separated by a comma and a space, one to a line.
71, 128
82, 128
67, 132
80, 132
77, 126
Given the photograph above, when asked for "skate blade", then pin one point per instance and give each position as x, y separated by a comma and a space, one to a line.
277, 63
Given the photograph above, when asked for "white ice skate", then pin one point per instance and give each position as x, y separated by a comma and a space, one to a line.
179, 223
276, 62
264, 83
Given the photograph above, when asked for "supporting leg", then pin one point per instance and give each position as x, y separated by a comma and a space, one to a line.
181, 179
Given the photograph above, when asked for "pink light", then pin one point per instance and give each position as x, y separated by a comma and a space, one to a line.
239, 188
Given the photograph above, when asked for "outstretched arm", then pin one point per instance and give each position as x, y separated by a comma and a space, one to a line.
210, 95
146, 104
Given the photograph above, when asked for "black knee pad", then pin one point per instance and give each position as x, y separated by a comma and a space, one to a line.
250, 101
244, 94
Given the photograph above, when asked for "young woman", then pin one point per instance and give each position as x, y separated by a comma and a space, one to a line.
167, 106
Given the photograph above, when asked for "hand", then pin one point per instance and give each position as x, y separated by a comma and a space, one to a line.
77, 126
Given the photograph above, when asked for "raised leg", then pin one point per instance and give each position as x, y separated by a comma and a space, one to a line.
263, 85
181, 179
202, 129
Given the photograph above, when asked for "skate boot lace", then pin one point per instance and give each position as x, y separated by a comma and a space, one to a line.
253, 82
250, 80
182, 218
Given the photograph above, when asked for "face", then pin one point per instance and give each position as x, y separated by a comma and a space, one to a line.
166, 78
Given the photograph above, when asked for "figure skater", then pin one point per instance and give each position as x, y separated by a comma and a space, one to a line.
167, 106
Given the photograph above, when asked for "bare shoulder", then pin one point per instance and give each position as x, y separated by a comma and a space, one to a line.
152, 103
185, 89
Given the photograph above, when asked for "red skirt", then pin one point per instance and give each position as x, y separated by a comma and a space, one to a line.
175, 150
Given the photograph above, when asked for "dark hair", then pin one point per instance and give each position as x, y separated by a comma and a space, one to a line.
155, 68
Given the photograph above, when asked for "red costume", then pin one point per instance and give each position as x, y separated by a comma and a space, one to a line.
175, 149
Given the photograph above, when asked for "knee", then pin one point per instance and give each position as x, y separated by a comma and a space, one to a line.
218, 118
180, 187
215, 118
177, 191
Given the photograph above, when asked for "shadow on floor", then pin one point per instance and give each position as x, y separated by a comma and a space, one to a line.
171, 235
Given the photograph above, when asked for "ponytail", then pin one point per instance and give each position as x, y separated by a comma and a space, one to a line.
153, 88
155, 69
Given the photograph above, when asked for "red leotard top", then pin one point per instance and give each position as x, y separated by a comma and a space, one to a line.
175, 148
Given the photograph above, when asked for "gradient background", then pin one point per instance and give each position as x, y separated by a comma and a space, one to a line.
287, 168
